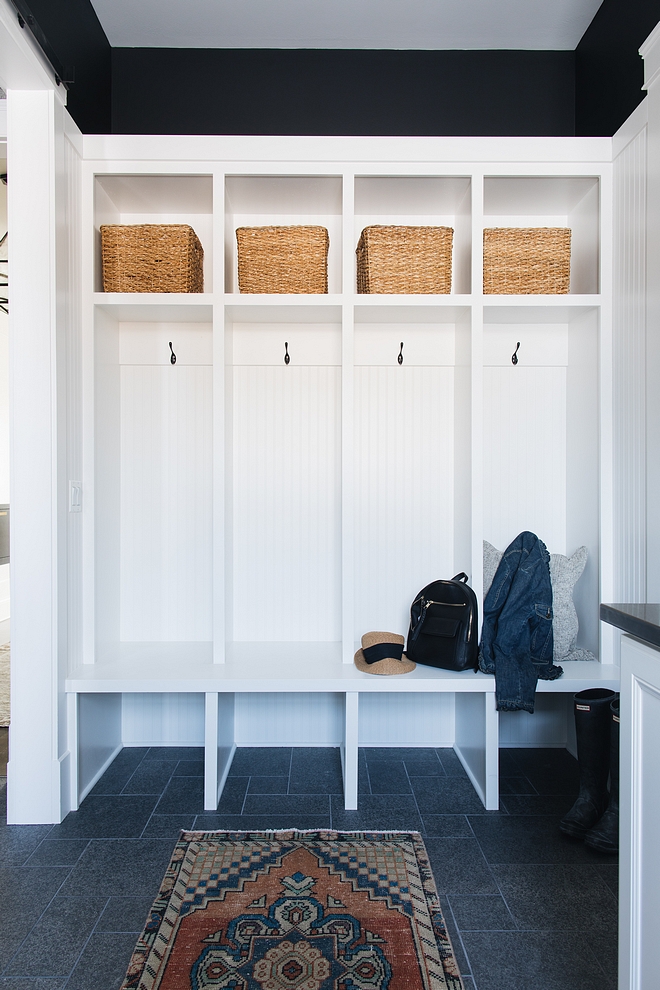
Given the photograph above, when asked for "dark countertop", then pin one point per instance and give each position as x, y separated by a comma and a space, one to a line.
640, 620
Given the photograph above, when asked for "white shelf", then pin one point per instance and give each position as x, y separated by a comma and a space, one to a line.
156, 307
290, 667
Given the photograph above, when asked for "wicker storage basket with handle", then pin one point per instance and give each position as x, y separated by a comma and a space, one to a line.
151, 257
527, 260
394, 259
283, 259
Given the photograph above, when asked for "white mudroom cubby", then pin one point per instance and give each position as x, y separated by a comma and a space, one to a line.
311, 461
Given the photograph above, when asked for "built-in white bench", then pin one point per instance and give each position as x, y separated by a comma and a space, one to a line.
158, 668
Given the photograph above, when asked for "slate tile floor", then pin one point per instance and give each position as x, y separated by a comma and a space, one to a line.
526, 907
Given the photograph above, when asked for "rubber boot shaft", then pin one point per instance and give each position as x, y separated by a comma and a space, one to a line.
604, 836
592, 729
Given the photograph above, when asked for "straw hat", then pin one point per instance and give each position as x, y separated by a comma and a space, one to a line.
382, 653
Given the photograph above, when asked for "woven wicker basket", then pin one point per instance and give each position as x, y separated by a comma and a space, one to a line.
404, 259
282, 259
527, 260
151, 257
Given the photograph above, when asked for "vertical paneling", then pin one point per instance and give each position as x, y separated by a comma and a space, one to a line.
166, 532
406, 720
286, 503
289, 719
546, 727
525, 455
629, 361
72, 299
404, 489
163, 719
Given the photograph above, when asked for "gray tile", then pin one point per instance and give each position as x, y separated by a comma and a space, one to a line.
459, 867
106, 817
468, 982
103, 963
610, 874
604, 946
315, 771
268, 785
233, 795
389, 778
262, 761
521, 960
20, 912
56, 941
556, 805
124, 914
509, 762
167, 826
563, 780
377, 812
183, 795
120, 868
150, 777
451, 763
120, 770
454, 936
529, 839
287, 804
17, 842
172, 754
446, 825
423, 763
189, 768
446, 796
27, 983
568, 897
58, 852
260, 823
516, 785
484, 913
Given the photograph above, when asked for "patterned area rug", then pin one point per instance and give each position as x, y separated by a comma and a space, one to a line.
296, 911
4, 684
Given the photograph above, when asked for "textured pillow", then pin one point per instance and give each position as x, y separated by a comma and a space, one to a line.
564, 574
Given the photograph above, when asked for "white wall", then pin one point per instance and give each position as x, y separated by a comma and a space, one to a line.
4, 404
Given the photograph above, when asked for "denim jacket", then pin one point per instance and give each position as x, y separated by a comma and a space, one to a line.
516, 640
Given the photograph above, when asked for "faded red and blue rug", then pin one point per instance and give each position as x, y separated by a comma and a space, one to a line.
296, 911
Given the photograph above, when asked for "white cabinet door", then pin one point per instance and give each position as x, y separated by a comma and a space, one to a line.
639, 910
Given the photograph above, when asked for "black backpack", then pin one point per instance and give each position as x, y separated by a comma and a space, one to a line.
444, 625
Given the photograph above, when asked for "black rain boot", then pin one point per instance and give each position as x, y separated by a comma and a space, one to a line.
604, 836
592, 729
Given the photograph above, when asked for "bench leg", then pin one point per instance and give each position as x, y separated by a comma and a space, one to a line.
219, 746
477, 743
349, 751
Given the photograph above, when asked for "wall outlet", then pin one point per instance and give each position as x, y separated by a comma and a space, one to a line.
75, 496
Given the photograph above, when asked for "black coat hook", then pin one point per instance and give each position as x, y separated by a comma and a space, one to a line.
173, 358
400, 357
287, 356
514, 356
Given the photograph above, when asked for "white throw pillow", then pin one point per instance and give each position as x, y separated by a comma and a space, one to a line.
564, 575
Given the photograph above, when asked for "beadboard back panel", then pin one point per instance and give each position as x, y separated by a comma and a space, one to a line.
286, 489
525, 454
162, 719
404, 489
166, 503
629, 362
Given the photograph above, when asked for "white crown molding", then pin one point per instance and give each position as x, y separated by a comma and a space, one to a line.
650, 52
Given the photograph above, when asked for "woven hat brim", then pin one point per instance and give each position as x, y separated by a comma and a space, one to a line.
389, 665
